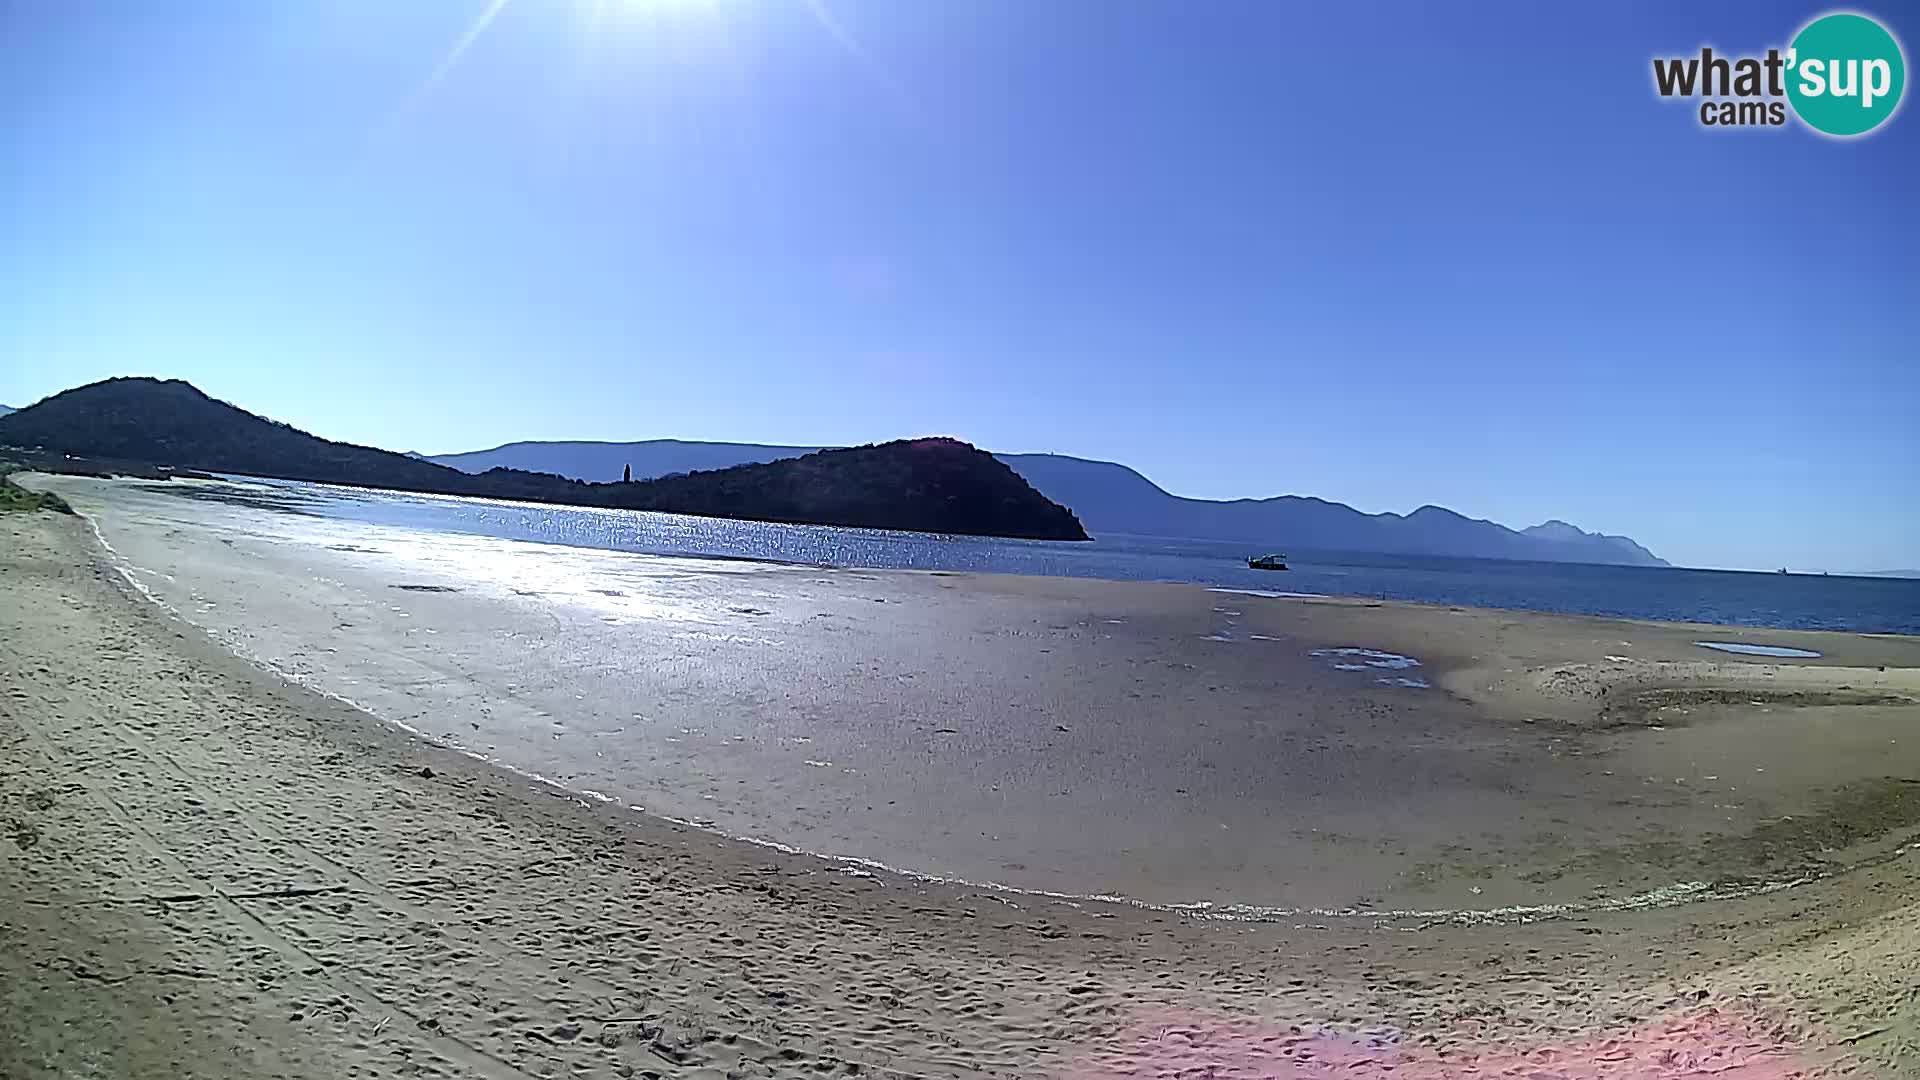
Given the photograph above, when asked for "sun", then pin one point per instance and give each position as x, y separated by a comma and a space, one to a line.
597, 20
653, 7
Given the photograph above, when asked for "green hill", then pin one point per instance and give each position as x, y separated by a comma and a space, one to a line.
928, 485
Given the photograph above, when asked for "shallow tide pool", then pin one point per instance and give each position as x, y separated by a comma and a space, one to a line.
1756, 650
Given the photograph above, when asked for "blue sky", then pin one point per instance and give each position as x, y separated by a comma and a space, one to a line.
1370, 252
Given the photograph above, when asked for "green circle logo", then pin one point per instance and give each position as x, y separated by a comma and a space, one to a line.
1845, 74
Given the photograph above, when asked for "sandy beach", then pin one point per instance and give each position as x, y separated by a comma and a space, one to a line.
1346, 836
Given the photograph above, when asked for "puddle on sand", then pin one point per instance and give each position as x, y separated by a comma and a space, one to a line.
1355, 659
1373, 660
1756, 650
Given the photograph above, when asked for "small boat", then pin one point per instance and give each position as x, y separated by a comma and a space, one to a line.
1267, 562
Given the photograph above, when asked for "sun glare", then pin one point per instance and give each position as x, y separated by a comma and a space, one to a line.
685, 32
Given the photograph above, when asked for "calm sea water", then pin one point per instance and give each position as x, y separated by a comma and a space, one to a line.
1713, 596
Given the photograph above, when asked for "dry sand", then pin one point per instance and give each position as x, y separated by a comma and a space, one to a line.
211, 872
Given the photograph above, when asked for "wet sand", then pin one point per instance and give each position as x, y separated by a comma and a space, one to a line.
214, 873
1164, 743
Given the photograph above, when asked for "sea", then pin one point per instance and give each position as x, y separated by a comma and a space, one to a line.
1725, 597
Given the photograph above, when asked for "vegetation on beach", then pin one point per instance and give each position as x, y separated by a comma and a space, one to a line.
14, 498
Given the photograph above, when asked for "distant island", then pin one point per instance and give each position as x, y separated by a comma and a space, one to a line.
1112, 498
929, 485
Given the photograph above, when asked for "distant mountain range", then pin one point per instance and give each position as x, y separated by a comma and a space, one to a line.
931, 485
5, 409
1112, 498
596, 461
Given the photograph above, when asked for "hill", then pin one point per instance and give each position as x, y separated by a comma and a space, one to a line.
933, 485
1112, 498
927, 485
173, 423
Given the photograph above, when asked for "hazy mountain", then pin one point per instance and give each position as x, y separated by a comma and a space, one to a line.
934, 485
1112, 498
602, 461
5, 409
1560, 532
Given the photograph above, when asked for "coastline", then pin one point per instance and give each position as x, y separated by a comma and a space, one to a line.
282, 868
1501, 585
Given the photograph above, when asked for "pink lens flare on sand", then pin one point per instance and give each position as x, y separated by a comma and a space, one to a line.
1704, 1043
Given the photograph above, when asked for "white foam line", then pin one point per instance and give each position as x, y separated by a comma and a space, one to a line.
1666, 896
1271, 595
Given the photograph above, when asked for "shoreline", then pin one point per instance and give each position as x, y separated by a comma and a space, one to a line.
242, 478
216, 731
44, 480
